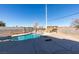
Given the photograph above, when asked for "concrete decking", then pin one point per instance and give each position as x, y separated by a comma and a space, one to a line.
62, 36
40, 46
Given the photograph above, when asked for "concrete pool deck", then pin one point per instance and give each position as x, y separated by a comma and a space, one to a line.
40, 46
62, 36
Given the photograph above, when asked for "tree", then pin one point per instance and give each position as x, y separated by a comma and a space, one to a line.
35, 27
75, 23
2, 24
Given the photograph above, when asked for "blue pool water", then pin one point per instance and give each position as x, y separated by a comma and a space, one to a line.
25, 37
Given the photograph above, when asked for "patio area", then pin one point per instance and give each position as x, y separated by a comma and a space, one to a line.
41, 45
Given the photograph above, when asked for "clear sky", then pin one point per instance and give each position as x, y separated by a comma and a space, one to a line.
28, 14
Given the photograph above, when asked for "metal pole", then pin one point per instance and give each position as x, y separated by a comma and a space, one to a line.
46, 14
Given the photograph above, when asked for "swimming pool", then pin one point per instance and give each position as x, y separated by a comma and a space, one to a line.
25, 37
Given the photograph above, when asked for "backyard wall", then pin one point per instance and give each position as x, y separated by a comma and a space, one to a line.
14, 30
69, 31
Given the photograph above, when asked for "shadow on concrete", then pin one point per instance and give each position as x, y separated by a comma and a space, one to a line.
41, 45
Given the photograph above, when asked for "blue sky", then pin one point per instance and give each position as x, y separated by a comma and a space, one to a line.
28, 14
58, 11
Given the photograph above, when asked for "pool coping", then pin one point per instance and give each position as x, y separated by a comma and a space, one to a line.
20, 34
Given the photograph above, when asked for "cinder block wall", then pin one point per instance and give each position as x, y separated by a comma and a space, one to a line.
15, 30
68, 30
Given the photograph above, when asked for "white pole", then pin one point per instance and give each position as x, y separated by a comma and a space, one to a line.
46, 14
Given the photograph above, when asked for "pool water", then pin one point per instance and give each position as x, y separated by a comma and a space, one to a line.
25, 37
